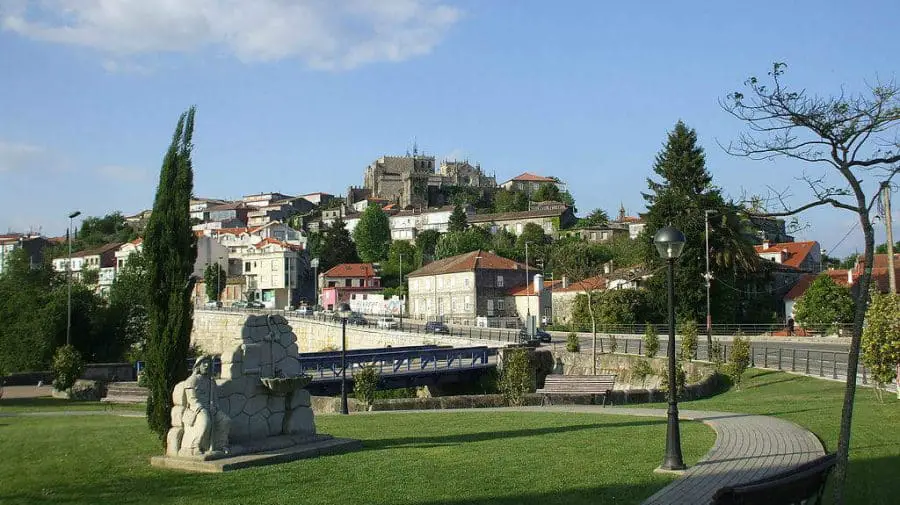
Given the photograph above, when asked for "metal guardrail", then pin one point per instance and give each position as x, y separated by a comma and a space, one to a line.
387, 362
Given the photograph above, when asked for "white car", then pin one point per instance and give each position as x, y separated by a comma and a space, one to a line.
387, 323
213, 304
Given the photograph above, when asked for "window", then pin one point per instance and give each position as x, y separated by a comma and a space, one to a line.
466, 282
499, 281
604, 235
468, 303
348, 282
593, 235
247, 266
500, 304
365, 296
518, 228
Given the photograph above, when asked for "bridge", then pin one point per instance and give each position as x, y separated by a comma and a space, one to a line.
402, 367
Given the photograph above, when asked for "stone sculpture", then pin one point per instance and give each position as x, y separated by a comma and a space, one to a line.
199, 427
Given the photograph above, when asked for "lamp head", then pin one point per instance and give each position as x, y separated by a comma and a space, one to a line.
75, 214
669, 242
344, 310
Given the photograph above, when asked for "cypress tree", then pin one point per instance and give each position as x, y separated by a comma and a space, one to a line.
372, 235
170, 249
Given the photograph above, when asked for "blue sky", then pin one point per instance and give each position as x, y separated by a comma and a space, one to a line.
300, 96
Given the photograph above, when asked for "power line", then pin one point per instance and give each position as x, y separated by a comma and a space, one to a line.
855, 224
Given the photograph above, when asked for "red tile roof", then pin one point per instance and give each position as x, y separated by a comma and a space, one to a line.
364, 270
796, 252
137, 241
530, 177
266, 241
468, 262
805, 280
596, 282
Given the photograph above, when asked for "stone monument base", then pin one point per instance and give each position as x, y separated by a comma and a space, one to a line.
268, 451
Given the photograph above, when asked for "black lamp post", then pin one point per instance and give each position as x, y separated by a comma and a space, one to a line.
344, 312
69, 280
669, 243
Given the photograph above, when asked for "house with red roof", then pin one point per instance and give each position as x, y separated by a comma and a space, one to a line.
528, 183
472, 288
347, 281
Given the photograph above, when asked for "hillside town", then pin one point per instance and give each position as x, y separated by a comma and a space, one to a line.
268, 246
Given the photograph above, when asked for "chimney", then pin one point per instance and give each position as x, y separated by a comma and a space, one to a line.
565, 282
850, 276
765, 244
607, 267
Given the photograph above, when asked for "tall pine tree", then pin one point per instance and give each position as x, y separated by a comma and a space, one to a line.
680, 199
170, 249
458, 220
337, 247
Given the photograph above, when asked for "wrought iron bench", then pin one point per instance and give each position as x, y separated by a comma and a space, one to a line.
802, 485
554, 384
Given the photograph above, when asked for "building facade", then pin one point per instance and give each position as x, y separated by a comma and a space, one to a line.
528, 183
552, 220
342, 283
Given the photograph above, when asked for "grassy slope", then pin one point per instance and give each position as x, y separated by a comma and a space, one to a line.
476, 457
816, 405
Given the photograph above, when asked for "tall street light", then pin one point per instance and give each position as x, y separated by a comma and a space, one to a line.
69, 280
401, 292
709, 277
344, 312
669, 243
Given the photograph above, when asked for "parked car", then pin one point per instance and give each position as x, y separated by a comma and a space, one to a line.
213, 304
240, 304
255, 305
387, 323
436, 327
539, 335
357, 319
304, 311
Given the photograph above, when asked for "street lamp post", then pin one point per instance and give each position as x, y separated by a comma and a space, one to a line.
69, 281
314, 263
669, 243
401, 292
344, 311
709, 277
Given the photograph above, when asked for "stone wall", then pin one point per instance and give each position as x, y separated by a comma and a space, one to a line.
581, 363
217, 331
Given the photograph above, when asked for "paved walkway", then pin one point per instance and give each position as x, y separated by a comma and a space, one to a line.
748, 447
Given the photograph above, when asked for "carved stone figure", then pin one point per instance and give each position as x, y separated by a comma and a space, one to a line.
199, 428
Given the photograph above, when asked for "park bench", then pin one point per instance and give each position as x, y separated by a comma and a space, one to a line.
801, 485
555, 384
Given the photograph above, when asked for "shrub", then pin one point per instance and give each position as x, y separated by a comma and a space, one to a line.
142, 380
572, 344
67, 367
641, 370
680, 379
365, 382
739, 360
716, 355
651, 341
517, 377
688, 331
613, 343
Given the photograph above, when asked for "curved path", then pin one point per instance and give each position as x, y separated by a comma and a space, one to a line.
747, 447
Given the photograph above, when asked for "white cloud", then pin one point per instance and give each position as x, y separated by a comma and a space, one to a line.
18, 156
122, 173
326, 34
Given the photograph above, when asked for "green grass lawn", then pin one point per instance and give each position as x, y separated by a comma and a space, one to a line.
48, 404
816, 405
471, 457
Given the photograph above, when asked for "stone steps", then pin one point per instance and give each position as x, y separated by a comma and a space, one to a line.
125, 392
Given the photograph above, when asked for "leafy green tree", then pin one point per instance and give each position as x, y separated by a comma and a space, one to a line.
580, 261
90, 276
365, 383
538, 245
97, 231
680, 199
547, 192
517, 377
624, 252
882, 248
170, 248
214, 279
67, 367
314, 244
461, 242
390, 268
510, 201
128, 302
504, 244
372, 235
458, 220
337, 247
426, 241
881, 338
597, 217
24, 342
824, 305
738, 360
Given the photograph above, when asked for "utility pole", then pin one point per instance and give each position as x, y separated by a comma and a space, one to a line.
708, 276
886, 195
69, 280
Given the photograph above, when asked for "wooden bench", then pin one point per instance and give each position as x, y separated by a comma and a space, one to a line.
577, 385
803, 484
